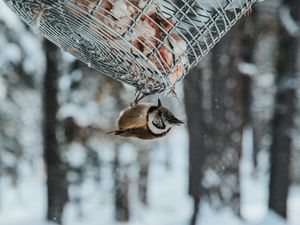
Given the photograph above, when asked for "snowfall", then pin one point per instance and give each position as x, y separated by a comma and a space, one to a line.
25, 205
169, 203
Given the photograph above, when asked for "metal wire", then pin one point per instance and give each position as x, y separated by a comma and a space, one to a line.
149, 44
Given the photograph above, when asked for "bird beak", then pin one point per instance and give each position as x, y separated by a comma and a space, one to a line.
158, 103
176, 121
179, 122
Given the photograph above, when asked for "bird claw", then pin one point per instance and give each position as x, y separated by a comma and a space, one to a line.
173, 93
133, 104
139, 96
248, 10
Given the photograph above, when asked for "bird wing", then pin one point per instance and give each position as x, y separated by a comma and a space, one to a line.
123, 133
135, 117
138, 133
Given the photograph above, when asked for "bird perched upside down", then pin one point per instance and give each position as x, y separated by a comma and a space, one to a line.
146, 121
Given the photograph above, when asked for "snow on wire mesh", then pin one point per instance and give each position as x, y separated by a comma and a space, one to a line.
149, 44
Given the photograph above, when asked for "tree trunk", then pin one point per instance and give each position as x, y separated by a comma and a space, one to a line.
55, 169
143, 158
194, 111
283, 120
121, 189
248, 42
264, 60
224, 156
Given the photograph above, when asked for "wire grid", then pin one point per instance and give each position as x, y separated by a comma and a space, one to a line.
149, 44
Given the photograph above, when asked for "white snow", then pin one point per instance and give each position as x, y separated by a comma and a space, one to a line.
3, 89
247, 68
289, 23
10, 18
76, 154
169, 202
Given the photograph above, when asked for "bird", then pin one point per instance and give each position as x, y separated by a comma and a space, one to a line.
146, 121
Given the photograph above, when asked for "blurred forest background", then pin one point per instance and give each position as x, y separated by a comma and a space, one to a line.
236, 162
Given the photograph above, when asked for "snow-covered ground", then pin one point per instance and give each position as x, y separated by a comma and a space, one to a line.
169, 202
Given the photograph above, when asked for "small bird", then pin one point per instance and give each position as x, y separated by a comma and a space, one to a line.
146, 121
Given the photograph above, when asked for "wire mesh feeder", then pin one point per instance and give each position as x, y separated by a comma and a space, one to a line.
149, 44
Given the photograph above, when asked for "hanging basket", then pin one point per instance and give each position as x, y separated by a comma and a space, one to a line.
149, 44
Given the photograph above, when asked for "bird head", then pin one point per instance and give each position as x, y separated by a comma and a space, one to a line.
163, 118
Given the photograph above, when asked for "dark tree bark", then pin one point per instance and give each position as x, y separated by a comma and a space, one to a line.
143, 159
283, 121
216, 133
194, 111
55, 169
248, 42
121, 189
266, 27
227, 97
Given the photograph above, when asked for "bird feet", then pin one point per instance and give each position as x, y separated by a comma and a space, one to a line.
248, 10
138, 97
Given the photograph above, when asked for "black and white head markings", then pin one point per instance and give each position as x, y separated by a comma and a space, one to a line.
160, 119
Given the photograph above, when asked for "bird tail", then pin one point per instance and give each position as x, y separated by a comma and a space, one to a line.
118, 132
115, 132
